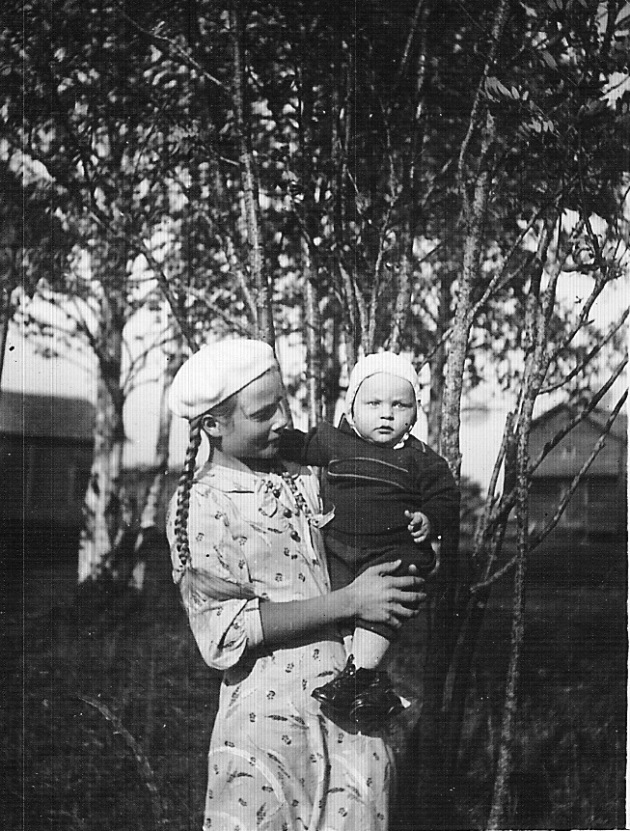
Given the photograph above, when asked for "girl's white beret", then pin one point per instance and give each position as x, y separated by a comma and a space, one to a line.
217, 371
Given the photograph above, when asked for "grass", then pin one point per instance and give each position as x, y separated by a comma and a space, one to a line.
65, 767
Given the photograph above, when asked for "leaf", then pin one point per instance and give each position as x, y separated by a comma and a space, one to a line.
618, 84
549, 59
495, 89
592, 107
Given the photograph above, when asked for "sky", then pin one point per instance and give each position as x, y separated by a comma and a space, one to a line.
483, 415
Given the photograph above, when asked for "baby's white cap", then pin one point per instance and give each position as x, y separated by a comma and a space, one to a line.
217, 371
387, 362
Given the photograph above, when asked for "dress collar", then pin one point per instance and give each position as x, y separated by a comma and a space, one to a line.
229, 474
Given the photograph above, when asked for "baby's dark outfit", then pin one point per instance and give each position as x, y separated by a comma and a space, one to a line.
371, 487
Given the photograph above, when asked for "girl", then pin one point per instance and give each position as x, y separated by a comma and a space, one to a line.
248, 558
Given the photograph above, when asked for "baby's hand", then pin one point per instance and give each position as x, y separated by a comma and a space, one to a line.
419, 526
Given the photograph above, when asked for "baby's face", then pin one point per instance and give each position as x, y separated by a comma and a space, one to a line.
384, 409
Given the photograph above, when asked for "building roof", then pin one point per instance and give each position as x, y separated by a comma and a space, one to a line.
597, 419
619, 428
46, 416
573, 450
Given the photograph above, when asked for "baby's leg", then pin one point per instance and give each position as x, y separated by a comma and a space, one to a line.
368, 648
368, 643
342, 571
371, 640
361, 692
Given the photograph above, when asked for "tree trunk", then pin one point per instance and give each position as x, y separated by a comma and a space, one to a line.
312, 316
341, 125
438, 361
474, 210
144, 562
437, 740
10, 279
314, 346
537, 317
501, 794
332, 333
101, 508
154, 495
462, 321
402, 303
5, 320
102, 499
258, 276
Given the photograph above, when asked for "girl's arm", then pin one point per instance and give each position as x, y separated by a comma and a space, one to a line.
310, 448
375, 596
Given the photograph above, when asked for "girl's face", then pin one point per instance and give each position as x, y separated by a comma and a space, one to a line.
253, 429
384, 409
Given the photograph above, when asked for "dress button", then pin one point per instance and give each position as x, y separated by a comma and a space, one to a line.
276, 492
295, 536
288, 513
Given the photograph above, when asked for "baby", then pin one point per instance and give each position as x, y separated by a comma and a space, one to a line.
392, 497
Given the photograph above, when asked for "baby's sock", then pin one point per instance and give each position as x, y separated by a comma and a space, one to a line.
347, 643
368, 648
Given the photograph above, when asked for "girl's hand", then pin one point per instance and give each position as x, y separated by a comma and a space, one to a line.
419, 525
379, 597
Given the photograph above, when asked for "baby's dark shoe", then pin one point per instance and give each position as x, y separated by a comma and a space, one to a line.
375, 701
339, 694
365, 696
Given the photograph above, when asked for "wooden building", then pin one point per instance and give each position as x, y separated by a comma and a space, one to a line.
45, 458
599, 505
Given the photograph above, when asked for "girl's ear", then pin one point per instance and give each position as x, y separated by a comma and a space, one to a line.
211, 427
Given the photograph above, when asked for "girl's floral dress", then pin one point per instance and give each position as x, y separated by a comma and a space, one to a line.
275, 762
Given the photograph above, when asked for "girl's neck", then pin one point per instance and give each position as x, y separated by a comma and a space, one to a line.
263, 465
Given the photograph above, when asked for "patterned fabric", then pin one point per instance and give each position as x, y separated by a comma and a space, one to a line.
275, 762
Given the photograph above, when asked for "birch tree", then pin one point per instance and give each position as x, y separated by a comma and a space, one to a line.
82, 129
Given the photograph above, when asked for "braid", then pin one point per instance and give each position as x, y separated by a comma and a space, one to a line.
183, 493
223, 410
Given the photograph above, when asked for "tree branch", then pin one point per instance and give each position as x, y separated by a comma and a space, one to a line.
142, 763
588, 357
535, 541
162, 40
483, 523
549, 446
264, 317
497, 29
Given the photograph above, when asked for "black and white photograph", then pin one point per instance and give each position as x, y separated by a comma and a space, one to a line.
313, 415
